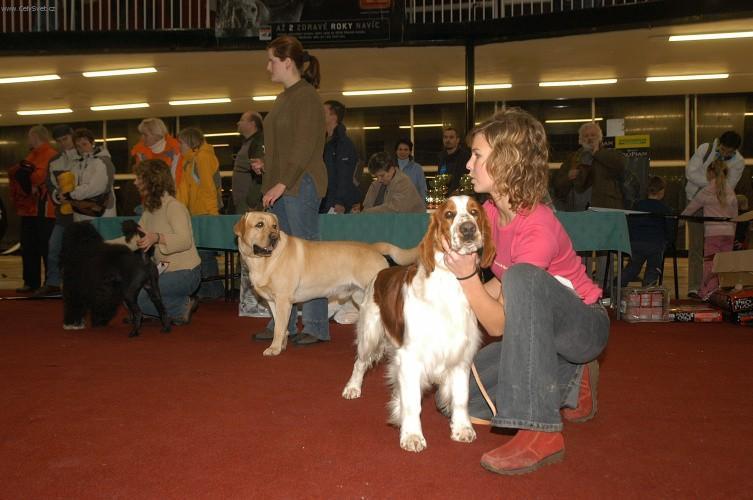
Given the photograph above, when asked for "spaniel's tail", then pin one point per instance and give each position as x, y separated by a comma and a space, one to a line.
401, 256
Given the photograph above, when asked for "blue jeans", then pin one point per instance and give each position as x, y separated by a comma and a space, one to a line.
299, 217
209, 269
175, 287
54, 247
536, 369
650, 252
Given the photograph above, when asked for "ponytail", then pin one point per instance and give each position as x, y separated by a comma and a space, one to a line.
311, 73
719, 169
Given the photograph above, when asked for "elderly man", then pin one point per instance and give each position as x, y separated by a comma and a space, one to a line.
392, 191
247, 183
28, 190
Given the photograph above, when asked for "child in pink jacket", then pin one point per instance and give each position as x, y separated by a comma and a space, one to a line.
717, 200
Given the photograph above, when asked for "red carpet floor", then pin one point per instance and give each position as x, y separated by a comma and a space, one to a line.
199, 413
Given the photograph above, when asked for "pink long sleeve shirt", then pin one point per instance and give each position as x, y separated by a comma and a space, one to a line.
707, 200
538, 238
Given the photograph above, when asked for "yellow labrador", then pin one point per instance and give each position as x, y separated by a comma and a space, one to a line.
286, 270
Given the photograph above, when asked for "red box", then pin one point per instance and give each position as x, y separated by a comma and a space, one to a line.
695, 314
733, 300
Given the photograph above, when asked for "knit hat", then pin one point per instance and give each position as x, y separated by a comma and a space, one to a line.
59, 131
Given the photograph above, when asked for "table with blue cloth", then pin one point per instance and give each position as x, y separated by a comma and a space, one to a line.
589, 231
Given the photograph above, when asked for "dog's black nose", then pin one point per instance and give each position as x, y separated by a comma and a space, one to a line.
468, 230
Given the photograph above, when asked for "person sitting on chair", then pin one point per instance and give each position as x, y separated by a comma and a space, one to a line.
392, 191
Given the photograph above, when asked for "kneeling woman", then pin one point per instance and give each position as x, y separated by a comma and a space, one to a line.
167, 225
541, 300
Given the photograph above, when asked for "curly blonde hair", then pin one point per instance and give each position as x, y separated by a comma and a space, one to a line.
156, 177
519, 161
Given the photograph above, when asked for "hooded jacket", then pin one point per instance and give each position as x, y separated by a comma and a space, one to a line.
36, 201
200, 188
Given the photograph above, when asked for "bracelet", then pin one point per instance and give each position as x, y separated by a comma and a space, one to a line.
467, 277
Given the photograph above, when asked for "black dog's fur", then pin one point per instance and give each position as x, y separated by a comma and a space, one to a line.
98, 276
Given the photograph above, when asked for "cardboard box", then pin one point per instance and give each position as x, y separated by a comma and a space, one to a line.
695, 314
734, 268
733, 300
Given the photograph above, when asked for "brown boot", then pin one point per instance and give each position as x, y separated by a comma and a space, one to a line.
587, 402
525, 452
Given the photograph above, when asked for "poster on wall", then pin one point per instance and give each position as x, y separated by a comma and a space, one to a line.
308, 20
635, 149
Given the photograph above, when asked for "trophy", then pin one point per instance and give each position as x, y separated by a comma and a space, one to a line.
437, 192
466, 186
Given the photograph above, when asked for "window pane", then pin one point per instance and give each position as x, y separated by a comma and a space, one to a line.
719, 113
662, 117
563, 137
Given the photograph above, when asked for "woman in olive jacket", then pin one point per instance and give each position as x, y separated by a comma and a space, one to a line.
295, 177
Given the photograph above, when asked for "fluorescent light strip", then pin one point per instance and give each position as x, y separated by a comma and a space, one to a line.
576, 120
749, 113
686, 77
23, 79
375, 127
220, 145
377, 92
423, 125
222, 134
264, 97
604, 81
199, 101
489, 86
112, 139
711, 36
119, 72
133, 105
55, 111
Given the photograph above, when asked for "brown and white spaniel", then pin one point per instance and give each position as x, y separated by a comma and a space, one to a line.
419, 316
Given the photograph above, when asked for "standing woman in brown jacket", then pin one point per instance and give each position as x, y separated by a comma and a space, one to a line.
295, 178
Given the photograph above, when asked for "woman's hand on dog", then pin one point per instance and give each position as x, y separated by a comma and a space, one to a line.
459, 264
145, 242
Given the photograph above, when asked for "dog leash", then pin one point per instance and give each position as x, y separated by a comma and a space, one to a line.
476, 420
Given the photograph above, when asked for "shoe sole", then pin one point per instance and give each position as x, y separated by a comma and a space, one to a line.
551, 459
593, 371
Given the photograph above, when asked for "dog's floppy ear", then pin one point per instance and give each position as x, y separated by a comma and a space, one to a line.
426, 247
240, 227
489, 251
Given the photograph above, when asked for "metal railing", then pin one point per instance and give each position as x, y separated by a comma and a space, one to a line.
463, 11
24, 16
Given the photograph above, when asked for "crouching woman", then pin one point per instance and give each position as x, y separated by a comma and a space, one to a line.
167, 226
540, 301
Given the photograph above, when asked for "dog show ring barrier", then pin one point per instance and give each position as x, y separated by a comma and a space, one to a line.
589, 231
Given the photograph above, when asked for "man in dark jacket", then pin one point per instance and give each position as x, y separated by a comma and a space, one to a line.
341, 159
453, 158
247, 183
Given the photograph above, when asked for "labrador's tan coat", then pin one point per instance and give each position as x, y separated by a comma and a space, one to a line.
286, 270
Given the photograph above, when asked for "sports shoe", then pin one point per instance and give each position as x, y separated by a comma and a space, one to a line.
693, 294
587, 402
26, 289
525, 452
305, 339
266, 335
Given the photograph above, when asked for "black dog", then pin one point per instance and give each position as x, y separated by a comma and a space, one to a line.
98, 276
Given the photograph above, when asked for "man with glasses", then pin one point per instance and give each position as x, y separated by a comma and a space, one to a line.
724, 148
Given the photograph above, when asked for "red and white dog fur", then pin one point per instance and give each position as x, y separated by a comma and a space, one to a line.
419, 316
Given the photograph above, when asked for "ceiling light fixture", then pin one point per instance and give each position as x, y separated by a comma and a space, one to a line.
375, 127
423, 125
264, 97
55, 111
220, 145
603, 81
119, 72
485, 86
112, 139
191, 102
25, 79
676, 78
222, 134
576, 120
110, 107
377, 92
711, 36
